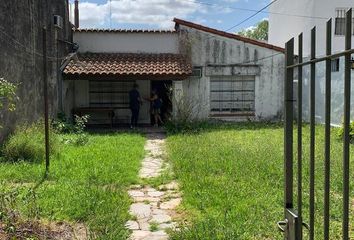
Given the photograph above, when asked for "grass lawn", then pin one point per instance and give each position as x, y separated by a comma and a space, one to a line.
86, 184
232, 181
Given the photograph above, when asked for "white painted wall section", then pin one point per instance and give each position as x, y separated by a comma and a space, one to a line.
102, 42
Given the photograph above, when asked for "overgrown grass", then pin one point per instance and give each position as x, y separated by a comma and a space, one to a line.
232, 181
86, 183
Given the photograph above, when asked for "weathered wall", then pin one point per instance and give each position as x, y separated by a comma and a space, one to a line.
122, 42
21, 25
221, 56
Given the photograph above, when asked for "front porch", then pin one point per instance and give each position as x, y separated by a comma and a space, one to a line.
98, 84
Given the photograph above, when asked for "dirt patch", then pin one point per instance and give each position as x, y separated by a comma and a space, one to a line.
39, 230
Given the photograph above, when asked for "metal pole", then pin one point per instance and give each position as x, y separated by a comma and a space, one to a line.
45, 92
327, 167
299, 136
288, 129
346, 139
312, 134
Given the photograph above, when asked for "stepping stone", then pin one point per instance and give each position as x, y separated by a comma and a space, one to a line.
171, 204
143, 224
155, 193
160, 218
139, 235
159, 235
140, 210
132, 225
172, 186
156, 211
135, 193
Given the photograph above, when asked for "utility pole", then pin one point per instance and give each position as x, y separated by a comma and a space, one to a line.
45, 91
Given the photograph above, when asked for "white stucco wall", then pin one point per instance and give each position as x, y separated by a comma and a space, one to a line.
283, 27
116, 42
224, 56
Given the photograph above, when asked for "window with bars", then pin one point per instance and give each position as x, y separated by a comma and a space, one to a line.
340, 21
232, 94
335, 65
110, 94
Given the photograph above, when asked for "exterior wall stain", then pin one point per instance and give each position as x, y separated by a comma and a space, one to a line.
20, 56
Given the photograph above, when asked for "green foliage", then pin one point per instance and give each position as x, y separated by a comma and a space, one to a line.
7, 95
86, 184
351, 132
232, 181
184, 127
259, 32
77, 135
27, 144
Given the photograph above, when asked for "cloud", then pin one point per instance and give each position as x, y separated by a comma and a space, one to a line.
152, 12
92, 14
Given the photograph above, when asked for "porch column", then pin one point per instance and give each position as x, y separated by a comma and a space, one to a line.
177, 97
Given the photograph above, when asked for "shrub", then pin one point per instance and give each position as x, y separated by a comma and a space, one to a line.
351, 132
27, 143
79, 137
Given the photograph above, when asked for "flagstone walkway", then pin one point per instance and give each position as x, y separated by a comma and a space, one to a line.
153, 209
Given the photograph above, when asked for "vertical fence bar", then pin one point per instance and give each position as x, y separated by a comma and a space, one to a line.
288, 129
327, 165
46, 111
299, 134
347, 85
312, 134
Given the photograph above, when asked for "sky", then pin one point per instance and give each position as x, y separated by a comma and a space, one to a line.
158, 14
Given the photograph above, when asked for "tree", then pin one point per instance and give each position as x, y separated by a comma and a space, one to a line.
258, 32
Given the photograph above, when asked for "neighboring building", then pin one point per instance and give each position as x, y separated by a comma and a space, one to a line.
21, 61
310, 13
211, 74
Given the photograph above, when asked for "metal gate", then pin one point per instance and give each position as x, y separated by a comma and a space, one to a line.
293, 224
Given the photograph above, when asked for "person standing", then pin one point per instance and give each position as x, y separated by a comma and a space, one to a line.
156, 104
134, 104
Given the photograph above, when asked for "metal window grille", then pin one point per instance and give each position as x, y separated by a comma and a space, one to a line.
340, 22
335, 65
110, 94
232, 94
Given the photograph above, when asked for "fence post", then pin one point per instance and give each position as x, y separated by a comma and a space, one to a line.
346, 139
288, 130
45, 92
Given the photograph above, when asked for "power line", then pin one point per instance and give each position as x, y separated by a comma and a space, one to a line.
253, 10
248, 18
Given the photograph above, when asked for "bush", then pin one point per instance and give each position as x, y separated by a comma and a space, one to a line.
27, 143
351, 132
77, 130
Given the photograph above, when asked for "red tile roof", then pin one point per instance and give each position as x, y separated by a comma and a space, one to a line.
226, 34
129, 64
90, 30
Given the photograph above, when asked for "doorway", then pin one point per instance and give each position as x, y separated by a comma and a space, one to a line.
164, 91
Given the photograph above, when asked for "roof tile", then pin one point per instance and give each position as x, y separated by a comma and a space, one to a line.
129, 64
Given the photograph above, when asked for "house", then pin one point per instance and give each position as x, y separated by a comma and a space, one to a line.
199, 73
21, 61
290, 18
302, 15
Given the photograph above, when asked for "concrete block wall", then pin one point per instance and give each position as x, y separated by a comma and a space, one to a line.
20, 56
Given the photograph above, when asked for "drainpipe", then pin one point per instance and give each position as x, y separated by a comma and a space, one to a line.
77, 22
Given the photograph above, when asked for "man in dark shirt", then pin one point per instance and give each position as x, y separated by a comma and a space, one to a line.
134, 103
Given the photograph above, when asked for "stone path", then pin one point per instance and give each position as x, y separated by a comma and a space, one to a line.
153, 209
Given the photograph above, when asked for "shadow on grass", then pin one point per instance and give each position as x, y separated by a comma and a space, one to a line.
196, 128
